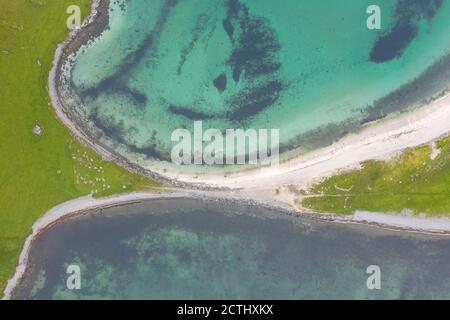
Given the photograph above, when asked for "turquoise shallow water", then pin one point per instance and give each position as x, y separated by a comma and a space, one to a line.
309, 68
191, 249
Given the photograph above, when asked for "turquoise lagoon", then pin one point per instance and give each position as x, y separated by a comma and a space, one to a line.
309, 68
204, 249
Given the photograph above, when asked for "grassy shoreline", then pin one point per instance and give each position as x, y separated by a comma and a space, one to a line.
417, 180
39, 172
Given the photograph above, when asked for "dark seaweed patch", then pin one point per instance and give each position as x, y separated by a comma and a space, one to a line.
257, 99
108, 127
116, 132
429, 86
118, 78
221, 82
150, 151
255, 49
229, 29
255, 56
189, 113
196, 33
137, 96
393, 44
408, 13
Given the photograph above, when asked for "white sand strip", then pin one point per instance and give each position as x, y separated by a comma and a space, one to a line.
377, 141
425, 224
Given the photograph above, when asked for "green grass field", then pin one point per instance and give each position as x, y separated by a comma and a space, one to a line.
39, 172
412, 180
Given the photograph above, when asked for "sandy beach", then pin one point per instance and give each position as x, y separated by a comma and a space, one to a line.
381, 140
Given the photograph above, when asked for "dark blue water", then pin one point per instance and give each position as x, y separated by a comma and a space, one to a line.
191, 249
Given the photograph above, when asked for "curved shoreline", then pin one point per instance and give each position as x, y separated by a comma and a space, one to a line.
63, 114
76, 207
88, 205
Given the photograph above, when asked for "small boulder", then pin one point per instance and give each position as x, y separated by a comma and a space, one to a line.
37, 130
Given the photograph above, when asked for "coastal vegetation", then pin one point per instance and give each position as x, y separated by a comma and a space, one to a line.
418, 180
42, 165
